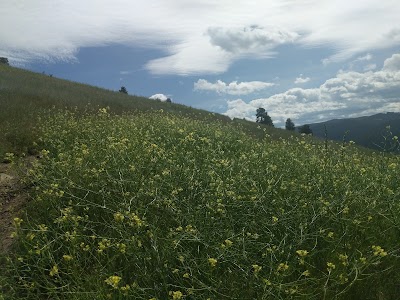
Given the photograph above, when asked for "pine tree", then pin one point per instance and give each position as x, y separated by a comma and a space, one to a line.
263, 117
4, 60
289, 125
305, 129
123, 90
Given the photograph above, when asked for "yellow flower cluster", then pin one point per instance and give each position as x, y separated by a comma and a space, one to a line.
212, 262
113, 281
379, 251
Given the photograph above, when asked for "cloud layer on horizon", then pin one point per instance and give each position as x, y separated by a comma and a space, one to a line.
203, 37
349, 94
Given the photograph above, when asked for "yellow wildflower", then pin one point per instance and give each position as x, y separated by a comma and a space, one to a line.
176, 295
54, 271
121, 247
379, 251
212, 262
283, 267
17, 222
267, 282
118, 217
302, 253
256, 269
67, 257
343, 259
113, 281
331, 266
228, 242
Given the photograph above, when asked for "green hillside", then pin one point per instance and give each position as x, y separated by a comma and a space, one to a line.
136, 199
24, 95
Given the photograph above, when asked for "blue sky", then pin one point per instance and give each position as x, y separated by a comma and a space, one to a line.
305, 59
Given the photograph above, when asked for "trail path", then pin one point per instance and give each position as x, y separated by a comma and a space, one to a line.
12, 199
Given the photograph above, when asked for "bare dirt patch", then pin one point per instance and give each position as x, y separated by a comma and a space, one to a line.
13, 197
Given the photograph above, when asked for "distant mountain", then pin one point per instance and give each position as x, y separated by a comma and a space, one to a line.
369, 131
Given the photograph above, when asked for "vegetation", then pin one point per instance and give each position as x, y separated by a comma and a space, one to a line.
123, 90
289, 125
4, 60
263, 117
156, 204
24, 95
306, 129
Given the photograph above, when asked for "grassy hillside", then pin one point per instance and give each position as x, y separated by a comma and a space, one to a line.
163, 203
24, 95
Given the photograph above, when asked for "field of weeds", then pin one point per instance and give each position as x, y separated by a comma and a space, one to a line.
155, 206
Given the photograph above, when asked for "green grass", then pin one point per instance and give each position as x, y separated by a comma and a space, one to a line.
152, 205
24, 95
150, 200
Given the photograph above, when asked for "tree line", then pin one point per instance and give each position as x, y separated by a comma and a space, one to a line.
262, 117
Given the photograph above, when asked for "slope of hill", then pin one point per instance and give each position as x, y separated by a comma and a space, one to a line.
24, 95
369, 131
183, 204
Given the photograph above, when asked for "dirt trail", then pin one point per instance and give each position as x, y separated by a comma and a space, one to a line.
13, 196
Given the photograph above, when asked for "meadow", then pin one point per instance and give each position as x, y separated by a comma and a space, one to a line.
24, 95
137, 199
159, 206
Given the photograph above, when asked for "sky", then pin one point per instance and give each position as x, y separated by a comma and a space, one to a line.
308, 60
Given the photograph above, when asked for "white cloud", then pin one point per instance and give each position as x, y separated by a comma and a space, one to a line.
392, 64
250, 40
366, 57
348, 94
363, 63
233, 88
301, 79
198, 36
160, 97
185, 59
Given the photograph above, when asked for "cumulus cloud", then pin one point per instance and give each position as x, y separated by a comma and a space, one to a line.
202, 37
348, 94
250, 39
233, 88
392, 64
301, 79
160, 97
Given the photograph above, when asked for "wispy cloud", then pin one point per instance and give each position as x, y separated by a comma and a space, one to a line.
203, 37
366, 57
348, 94
233, 88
